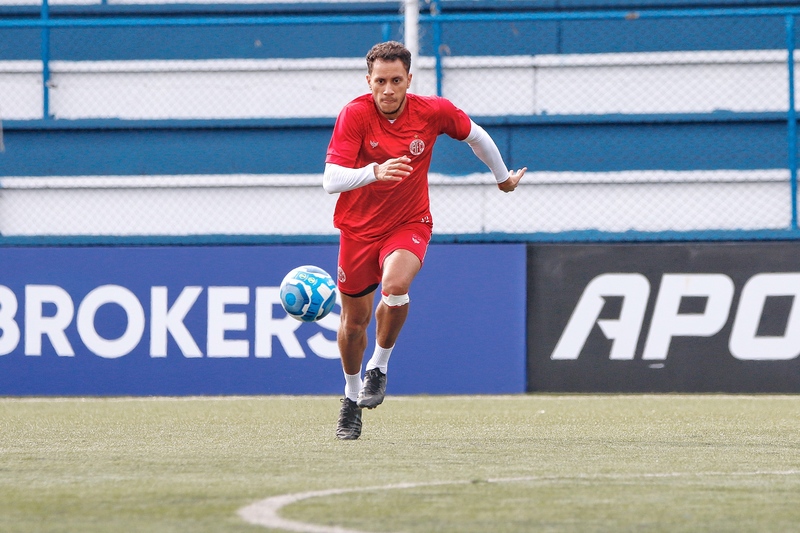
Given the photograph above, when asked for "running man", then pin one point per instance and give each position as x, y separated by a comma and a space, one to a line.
378, 160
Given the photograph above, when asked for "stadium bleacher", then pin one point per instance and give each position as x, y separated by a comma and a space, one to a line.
689, 112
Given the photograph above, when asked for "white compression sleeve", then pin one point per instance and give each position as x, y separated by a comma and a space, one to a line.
340, 179
487, 151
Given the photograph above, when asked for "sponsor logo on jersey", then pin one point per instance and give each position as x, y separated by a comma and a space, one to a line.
373, 144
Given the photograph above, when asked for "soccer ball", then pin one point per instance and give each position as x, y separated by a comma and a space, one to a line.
308, 293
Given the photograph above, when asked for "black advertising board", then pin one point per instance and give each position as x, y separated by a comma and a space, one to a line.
664, 317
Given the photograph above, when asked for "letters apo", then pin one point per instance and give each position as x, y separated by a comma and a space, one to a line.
667, 322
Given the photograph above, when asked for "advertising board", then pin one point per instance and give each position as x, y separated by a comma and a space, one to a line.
193, 320
661, 317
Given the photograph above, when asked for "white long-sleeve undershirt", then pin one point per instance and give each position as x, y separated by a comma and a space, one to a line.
338, 179
484, 147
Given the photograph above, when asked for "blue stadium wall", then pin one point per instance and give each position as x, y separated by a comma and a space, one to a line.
543, 143
118, 320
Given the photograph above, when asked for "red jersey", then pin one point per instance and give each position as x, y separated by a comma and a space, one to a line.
362, 135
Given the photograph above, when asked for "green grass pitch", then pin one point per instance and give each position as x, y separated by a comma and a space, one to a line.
478, 463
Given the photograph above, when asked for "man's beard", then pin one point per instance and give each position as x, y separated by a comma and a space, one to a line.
396, 110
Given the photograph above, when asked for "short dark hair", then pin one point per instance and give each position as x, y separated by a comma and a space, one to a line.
389, 51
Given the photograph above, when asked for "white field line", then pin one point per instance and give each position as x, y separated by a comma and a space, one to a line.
266, 512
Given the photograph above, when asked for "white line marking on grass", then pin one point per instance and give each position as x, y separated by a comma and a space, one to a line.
266, 512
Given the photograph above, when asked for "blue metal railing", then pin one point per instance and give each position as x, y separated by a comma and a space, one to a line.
45, 17
436, 19
792, 117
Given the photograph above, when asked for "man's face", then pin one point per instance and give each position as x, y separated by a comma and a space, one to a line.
389, 82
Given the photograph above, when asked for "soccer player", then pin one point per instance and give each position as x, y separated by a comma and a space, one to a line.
378, 160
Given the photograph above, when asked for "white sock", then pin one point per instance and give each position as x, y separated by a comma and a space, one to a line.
352, 384
380, 358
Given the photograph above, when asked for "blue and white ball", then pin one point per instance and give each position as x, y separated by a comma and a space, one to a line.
308, 293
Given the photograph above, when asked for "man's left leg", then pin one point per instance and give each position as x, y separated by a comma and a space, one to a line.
399, 270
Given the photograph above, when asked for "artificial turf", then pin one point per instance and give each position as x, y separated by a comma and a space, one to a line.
471, 463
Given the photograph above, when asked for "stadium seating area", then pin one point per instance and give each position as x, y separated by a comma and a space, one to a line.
178, 122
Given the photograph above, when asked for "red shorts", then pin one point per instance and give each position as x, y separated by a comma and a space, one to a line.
361, 262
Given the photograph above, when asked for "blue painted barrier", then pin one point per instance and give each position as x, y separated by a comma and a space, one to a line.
191, 320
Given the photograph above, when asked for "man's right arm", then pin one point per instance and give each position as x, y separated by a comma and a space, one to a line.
340, 179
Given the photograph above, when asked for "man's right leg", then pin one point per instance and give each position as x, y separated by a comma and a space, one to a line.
352, 341
352, 334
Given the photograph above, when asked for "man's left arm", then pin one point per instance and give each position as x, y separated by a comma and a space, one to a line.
485, 148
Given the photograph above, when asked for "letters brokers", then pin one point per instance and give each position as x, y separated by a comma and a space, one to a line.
50, 310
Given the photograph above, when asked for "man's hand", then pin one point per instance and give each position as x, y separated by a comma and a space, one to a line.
394, 169
513, 179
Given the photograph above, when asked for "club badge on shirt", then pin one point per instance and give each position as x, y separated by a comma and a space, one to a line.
417, 146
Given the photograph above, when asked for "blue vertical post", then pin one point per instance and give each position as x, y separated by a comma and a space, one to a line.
387, 32
437, 45
792, 118
45, 15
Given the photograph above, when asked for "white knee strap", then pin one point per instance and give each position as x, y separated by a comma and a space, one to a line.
395, 300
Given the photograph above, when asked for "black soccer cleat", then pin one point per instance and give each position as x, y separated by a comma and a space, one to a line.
349, 427
374, 389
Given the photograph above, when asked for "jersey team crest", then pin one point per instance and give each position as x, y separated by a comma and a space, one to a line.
417, 146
